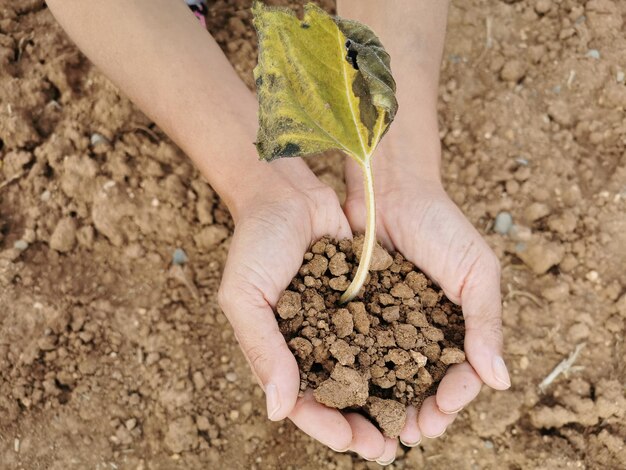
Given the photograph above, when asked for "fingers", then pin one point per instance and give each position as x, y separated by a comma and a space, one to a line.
326, 425
431, 421
389, 454
482, 309
458, 387
265, 349
411, 435
367, 441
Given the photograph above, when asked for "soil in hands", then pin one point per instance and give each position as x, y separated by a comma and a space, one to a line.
387, 349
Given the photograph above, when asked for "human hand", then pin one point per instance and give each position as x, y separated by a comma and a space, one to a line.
416, 217
272, 233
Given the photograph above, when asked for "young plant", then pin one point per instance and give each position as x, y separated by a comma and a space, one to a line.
323, 83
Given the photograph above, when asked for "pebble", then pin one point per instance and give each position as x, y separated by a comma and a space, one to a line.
593, 53
543, 6
231, 376
520, 233
536, 211
96, 139
620, 77
179, 256
63, 237
503, 223
513, 71
540, 256
20, 245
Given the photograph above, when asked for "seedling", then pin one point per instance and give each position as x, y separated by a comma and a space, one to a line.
323, 83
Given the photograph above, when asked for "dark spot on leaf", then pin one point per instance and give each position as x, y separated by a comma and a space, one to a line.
290, 150
305, 25
259, 81
352, 53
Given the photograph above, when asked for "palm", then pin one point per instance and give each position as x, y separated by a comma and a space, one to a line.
420, 221
265, 254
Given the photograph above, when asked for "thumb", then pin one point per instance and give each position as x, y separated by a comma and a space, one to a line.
482, 309
264, 347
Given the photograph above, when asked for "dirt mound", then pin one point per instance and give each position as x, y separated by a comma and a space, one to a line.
391, 345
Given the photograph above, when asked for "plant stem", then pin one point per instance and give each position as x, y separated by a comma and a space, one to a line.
369, 241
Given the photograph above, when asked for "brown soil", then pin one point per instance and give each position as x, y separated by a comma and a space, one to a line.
110, 359
391, 346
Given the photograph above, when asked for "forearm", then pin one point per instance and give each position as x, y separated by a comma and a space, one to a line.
413, 33
163, 60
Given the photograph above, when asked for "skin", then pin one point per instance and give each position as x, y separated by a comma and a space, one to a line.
184, 83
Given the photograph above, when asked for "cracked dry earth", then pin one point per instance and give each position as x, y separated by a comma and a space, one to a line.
113, 357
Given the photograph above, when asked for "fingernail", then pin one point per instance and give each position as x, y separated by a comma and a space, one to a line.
388, 462
500, 371
340, 451
414, 444
451, 412
272, 400
437, 435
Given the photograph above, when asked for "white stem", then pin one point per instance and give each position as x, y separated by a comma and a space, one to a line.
370, 237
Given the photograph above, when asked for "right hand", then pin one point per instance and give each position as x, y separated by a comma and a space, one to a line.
271, 236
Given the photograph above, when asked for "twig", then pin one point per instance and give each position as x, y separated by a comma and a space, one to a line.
488, 41
520, 293
564, 366
147, 130
13, 178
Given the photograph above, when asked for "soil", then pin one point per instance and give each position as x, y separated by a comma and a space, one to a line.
111, 356
388, 348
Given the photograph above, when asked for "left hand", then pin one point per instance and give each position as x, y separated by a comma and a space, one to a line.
416, 217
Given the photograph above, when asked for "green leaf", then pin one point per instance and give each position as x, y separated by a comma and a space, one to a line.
322, 83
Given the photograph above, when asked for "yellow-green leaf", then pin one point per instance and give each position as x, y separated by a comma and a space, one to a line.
322, 82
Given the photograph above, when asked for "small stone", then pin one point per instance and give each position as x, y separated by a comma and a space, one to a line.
181, 435
578, 332
391, 314
289, 305
317, 266
338, 264
398, 356
385, 339
503, 223
302, 347
593, 53
97, 139
342, 352
433, 334
540, 256
417, 318
452, 356
619, 76
209, 237
416, 281
513, 71
130, 424
231, 377
418, 358
536, 211
520, 233
360, 318
63, 237
402, 291
343, 322
179, 256
340, 283
405, 335
47, 343
390, 415
346, 388
20, 245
